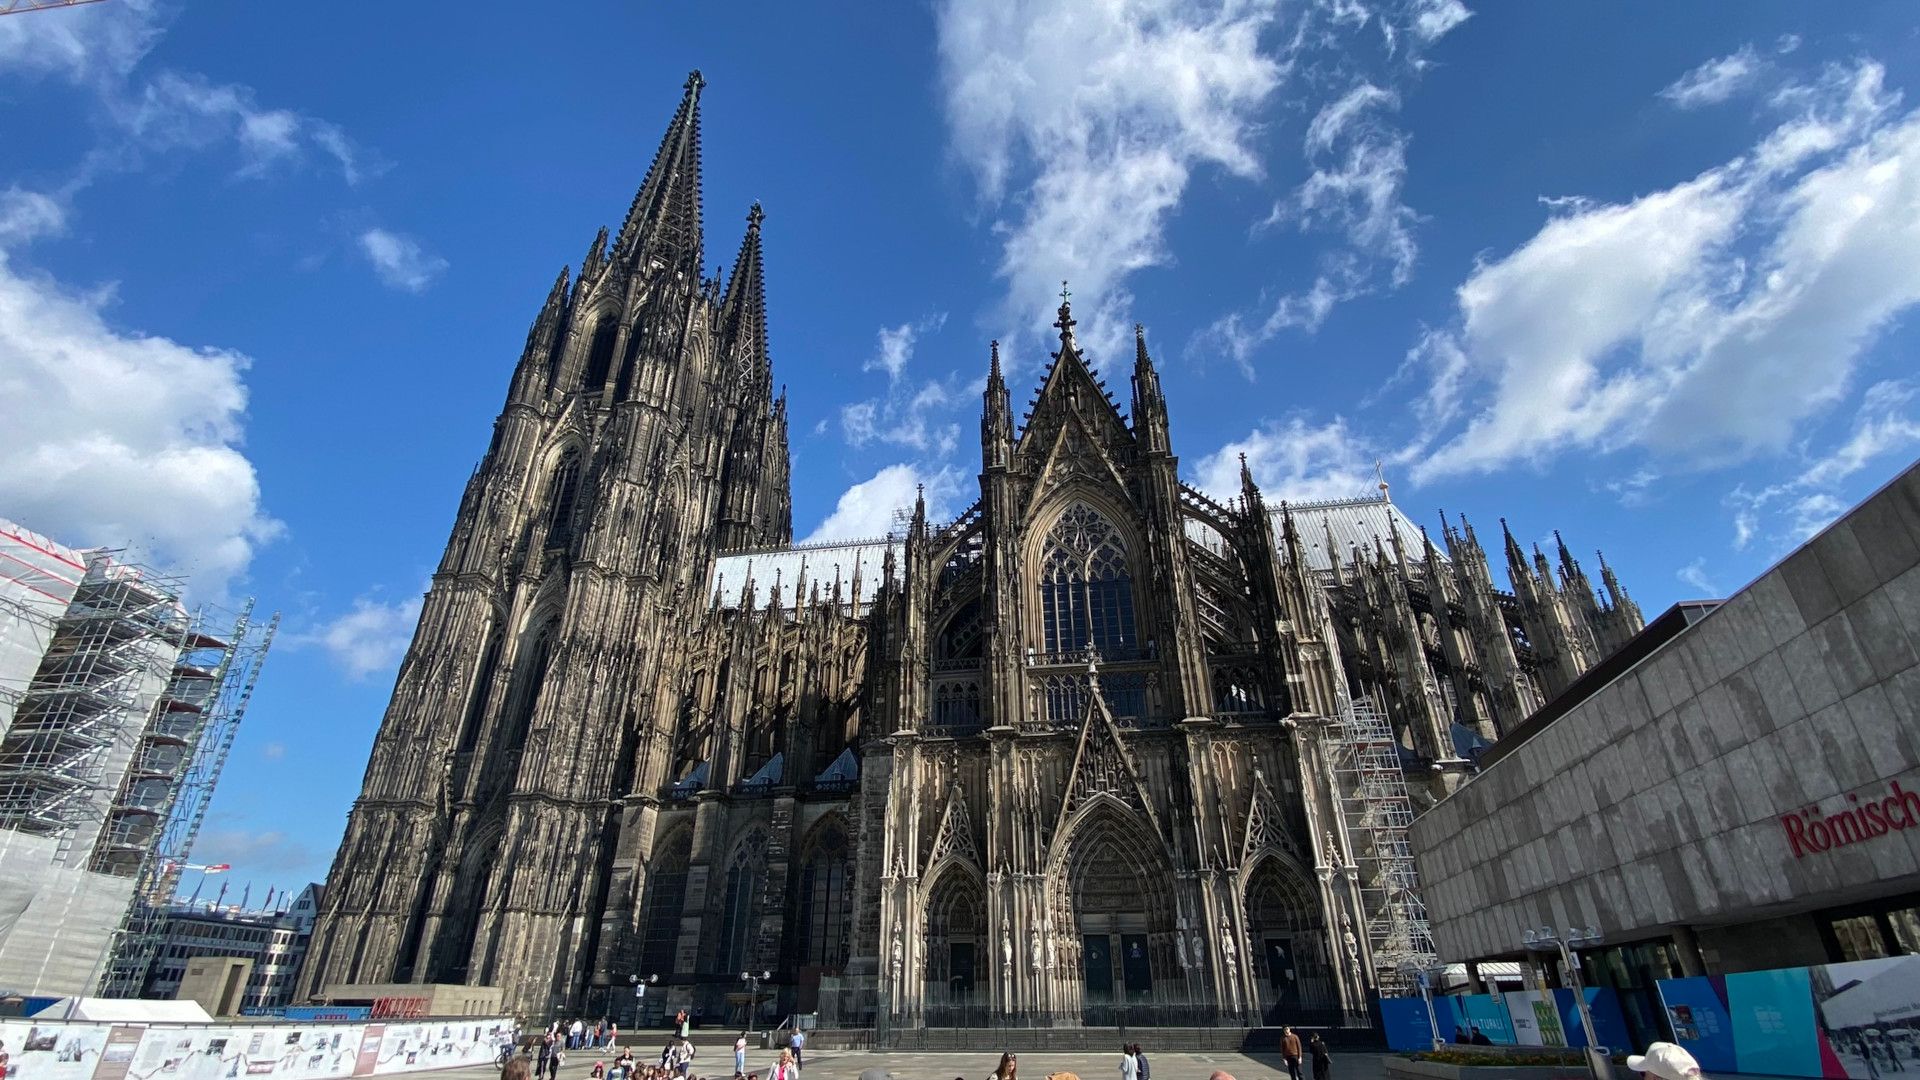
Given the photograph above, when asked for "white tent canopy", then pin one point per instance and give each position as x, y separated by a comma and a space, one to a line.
126, 1011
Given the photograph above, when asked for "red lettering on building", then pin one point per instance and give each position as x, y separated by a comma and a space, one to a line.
399, 1008
1812, 830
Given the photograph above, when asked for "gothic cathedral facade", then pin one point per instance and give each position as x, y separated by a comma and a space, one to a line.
1102, 742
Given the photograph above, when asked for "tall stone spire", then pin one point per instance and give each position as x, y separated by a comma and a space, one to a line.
996, 417
744, 309
1149, 403
665, 217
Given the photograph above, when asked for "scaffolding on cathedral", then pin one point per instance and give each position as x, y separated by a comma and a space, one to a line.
1378, 812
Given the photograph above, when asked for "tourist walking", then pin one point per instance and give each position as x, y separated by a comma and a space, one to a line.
554, 1061
1009, 1066
784, 1068
1129, 1068
1322, 1061
1140, 1063
1290, 1049
796, 1042
740, 1055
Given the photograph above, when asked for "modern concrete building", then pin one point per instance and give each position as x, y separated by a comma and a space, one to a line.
273, 943
1737, 789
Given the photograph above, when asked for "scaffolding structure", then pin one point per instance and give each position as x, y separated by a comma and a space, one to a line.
1378, 813
163, 800
118, 708
107, 657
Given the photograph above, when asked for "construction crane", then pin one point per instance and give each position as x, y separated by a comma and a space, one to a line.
15, 7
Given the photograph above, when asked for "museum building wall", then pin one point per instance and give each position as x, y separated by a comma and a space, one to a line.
1744, 796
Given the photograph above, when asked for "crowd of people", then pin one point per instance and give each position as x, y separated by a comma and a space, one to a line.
543, 1060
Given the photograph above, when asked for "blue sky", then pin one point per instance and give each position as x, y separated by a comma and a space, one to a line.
1640, 272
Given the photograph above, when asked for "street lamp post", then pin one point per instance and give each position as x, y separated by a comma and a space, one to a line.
1546, 940
640, 994
753, 980
1423, 978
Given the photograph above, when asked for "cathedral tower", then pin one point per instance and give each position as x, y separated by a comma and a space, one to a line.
639, 439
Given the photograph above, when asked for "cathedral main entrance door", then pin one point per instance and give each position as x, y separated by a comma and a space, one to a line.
1115, 893
1098, 954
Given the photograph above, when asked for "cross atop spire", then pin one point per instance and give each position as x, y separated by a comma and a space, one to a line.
1065, 322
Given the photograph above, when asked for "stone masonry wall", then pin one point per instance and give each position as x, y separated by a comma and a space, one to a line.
1659, 800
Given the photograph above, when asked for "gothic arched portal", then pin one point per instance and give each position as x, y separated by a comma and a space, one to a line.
1114, 912
1288, 935
955, 935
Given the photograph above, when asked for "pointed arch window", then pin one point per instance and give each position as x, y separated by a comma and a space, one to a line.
563, 493
478, 698
666, 902
600, 355
1086, 585
746, 883
533, 676
826, 893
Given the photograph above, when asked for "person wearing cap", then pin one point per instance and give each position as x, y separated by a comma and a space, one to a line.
1666, 1061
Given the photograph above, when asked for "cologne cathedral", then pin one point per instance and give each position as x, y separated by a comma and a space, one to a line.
1101, 748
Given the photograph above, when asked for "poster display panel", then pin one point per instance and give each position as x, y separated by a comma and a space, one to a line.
440, 1044
52, 1050
1487, 1014
1854, 1021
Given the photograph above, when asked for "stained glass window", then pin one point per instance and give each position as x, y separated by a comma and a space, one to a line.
1086, 588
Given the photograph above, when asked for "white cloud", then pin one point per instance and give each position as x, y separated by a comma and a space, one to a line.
400, 261
1700, 323
100, 47
274, 751
29, 215
1886, 425
1104, 135
85, 44
1716, 80
1294, 460
906, 414
1357, 174
894, 349
874, 506
121, 438
1694, 575
369, 638
1433, 19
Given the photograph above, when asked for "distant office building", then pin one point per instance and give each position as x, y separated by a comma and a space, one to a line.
273, 943
117, 707
1737, 789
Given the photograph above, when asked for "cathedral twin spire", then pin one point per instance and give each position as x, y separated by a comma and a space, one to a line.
665, 216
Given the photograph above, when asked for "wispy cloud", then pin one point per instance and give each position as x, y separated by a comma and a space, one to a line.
1292, 459
1356, 155
1694, 576
369, 638
909, 413
400, 261
894, 348
1713, 316
1886, 426
1716, 80
1083, 159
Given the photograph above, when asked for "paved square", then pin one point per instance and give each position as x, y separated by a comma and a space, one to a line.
849, 1064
